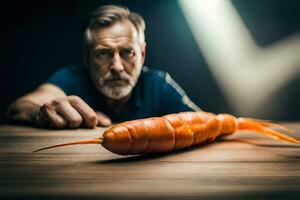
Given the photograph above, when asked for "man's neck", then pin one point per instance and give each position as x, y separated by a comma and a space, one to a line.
117, 104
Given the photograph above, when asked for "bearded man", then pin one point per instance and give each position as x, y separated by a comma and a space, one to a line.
114, 85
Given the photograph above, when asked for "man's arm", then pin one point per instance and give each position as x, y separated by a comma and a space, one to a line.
50, 106
26, 108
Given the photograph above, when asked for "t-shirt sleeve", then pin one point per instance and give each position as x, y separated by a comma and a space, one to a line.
173, 97
66, 79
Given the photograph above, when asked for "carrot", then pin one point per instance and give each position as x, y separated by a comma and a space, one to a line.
177, 131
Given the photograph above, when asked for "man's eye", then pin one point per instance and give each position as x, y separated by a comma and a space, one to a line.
103, 54
127, 53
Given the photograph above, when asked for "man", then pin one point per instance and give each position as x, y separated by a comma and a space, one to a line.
112, 87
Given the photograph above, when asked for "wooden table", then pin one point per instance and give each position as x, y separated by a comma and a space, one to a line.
242, 166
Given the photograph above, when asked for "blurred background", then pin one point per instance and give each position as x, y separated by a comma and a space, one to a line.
240, 56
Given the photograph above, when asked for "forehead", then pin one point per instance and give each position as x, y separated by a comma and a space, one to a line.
117, 34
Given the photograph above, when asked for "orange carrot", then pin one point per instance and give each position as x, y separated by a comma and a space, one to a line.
177, 131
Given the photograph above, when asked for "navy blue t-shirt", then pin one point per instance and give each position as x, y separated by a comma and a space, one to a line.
155, 94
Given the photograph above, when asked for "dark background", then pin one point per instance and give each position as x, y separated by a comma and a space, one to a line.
38, 37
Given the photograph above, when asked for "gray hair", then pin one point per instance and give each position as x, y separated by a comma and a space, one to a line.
106, 16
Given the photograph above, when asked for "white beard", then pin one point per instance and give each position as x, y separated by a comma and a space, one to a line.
113, 90
116, 92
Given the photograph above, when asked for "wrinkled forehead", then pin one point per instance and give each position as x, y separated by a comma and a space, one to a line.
119, 31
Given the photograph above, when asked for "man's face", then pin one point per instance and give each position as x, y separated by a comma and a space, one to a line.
116, 59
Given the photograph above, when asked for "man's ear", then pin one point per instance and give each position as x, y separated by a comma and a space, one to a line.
143, 52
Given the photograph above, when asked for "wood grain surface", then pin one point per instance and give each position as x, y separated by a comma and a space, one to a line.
241, 166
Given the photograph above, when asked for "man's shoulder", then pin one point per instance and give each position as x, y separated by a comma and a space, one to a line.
165, 92
70, 78
153, 74
77, 70
158, 80
69, 73
159, 77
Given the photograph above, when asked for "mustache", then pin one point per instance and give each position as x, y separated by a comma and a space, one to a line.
122, 76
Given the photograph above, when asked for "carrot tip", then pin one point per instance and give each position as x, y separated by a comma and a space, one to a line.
93, 141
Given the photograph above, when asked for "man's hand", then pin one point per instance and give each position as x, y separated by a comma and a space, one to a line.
70, 112
48, 105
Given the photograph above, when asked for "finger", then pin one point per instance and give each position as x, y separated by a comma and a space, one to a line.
42, 118
88, 114
52, 118
64, 108
103, 120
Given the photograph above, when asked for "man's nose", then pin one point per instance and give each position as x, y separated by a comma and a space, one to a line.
117, 63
